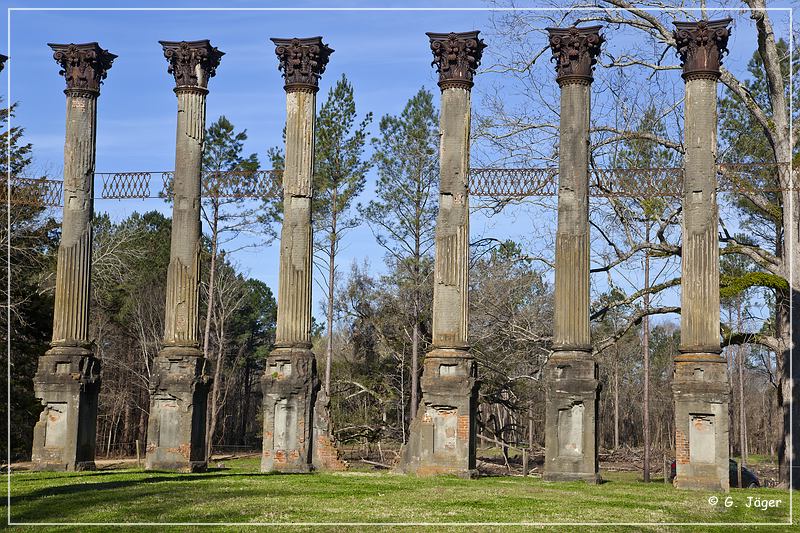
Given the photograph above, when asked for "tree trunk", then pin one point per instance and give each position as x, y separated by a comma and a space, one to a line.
143, 418
212, 271
402, 409
211, 410
742, 428
245, 404
791, 369
417, 312
414, 371
212, 424
780, 138
646, 354
785, 329
331, 281
616, 397
530, 427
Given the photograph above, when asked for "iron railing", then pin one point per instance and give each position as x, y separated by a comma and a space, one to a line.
229, 184
498, 183
31, 192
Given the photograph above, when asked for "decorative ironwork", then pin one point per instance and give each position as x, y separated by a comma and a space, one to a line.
575, 52
121, 185
243, 184
192, 63
31, 191
513, 182
228, 184
700, 46
498, 183
302, 62
456, 56
166, 183
636, 182
84, 66
737, 178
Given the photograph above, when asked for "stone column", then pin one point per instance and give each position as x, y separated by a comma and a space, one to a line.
290, 383
179, 386
442, 434
700, 383
572, 387
67, 380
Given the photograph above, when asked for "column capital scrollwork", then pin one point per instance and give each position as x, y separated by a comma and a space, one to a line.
456, 57
302, 62
701, 45
575, 52
192, 63
84, 66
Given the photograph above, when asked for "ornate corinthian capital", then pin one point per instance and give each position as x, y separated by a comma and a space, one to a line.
456, 57
191, 62
575, 52
302, 62
84, 66
700, 46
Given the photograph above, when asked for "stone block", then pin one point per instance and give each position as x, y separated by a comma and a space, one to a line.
701, 393
571, 419
176, 431
290, 386
67, 382
442, 435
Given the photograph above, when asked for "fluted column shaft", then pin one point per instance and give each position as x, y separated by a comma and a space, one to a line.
700, 311
183, 277
73, 271
451, 268
296, 251
571, 325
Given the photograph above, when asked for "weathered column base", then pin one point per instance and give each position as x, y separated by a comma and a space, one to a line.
290, 386
701, 391
571, 418
176, 430
325, 456
442, 434
68, 383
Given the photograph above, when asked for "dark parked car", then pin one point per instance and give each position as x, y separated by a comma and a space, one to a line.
749, 479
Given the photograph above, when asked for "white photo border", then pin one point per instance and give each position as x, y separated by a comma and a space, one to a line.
792, 229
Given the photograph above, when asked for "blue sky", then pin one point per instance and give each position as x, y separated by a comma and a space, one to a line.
384, 53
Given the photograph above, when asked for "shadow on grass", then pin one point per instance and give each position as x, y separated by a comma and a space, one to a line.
29, 475
154, 496
159, 477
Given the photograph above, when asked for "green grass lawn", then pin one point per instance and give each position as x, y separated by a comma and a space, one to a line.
241, 494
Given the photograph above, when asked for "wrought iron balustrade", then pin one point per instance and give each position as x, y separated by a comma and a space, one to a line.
498, 183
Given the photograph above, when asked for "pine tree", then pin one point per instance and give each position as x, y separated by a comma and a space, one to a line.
339, 177
228, 217
403, 216
29, 235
